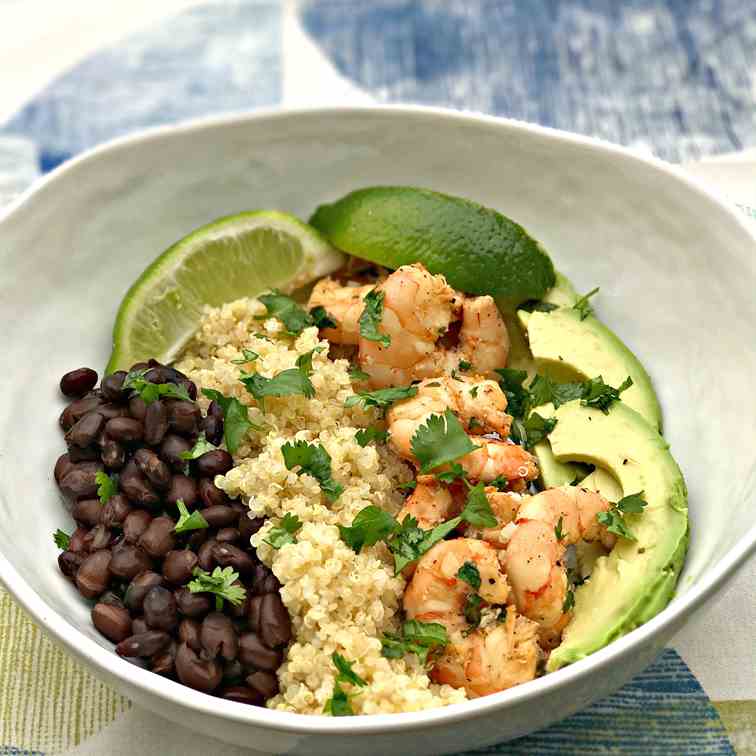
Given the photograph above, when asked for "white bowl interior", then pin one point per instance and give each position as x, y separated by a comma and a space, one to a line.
676, 274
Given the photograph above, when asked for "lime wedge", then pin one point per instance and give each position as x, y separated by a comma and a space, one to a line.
237, 256
478, 250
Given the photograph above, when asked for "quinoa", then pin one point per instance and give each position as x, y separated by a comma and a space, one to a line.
338, 600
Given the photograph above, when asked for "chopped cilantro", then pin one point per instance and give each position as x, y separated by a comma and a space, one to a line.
346, 673
455, 472
370, 525
314, 460
249, 356
477, 510
286, 383
472, 609
355, 374
62, 540
221, 583
365, 435
280, 535
473, 423
338, 705
464, 365
321, 318
294, 318
236, 420
535, 305
381, 397
511, 381
632, 504
371, 318
569, 600
558, 532
304, 361
545, 391
583, 305
410, 485
470, 574
420, 638
500, 483
411, 542
440, 440
186, 521
532, 430
135, 380
107, 486
474, 392
201, 446
598, 394
614, 520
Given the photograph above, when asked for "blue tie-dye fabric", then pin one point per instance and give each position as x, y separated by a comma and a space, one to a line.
673, 76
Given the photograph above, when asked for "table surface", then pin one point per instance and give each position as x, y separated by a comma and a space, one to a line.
673, 77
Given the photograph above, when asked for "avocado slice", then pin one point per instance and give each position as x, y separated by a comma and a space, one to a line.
638, 578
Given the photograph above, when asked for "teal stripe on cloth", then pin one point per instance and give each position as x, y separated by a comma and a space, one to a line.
10, 751
662, 712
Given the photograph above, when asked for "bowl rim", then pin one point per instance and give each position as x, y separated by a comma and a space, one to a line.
81, 646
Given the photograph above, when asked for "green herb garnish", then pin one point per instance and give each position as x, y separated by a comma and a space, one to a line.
249, 356
511, 381
455, 472
321, 318
469, 574
338, 705
221, 583
472, 609
535, 305
291, 382
186, 521
62, 539
280, 535
371, 318
558, 532
531, 431
381, 398
440, 440
236, 420
583, 305
365, 435
420, 638
598, 394
614, 519
370, 525
201, 446
464, 365
294, 318
107, 486
477, 510
314, 460
149, 392
569, 600
355, 374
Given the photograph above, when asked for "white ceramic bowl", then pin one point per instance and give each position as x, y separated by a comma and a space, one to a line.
677, 271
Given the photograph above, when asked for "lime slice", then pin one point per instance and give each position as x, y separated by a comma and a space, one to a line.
237, 256
478, 250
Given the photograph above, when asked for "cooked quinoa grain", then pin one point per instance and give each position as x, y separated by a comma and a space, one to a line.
338, 600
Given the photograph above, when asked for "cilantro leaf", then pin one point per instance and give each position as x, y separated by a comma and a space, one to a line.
569, 600
221, 583
500, 483
535, 305
236, 420
314, 460
420, 638
371, 318
381, 397
365, 435
201, 446
633, 503
455, 472
338, 704
474, 392
186, 521
346, 673
410, 485
477, 510
249, 356
472, 609
532, 430
464, 365
321, 318
583, 306
355, 374
294, 318
107, 486
511, 381
470, 574
370, 525
62, 539
411, 542
440, 440
280, 535
558, 531
135, 380
286, 383
614, 520
598, 394
544, 391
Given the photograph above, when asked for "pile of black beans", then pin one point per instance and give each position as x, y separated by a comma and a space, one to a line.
126, 558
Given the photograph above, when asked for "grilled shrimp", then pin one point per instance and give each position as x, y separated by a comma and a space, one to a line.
534, 558
482, 660
345, 305
431, 503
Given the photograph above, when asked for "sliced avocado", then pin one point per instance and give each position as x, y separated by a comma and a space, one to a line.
637, 579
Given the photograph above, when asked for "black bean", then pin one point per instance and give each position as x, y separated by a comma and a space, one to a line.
87, 511
113, 622
112, 386
193, 604
220, 516
182, 487
239, 611
115, 511
228, 555
178, 566
155, 422
184, 417
113, 455
164, 663
195, 672
197, 538
255, 654
137, 407
85, 430
161, 374
79, 482
138, 588
78, 382
206, 556
265, 683
143, 644
253, 613
128, 561
153, 468
227, 535
189, 633
172, 448
136, 486
248, 526
215, 462
110, 411
138, 626
97, 538
241, 694
210, 494
218, 637
160, 610
264, 581
62, 465
77, 544
136, 522
190, 386
69, 563
78, 409
213, 428
233, 672
275, 623
111, 598
93, 574
83, 454
124, 429
159, 537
